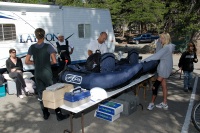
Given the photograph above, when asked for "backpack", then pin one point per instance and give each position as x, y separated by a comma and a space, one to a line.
100, 63
107, 62
93, 62
2, 80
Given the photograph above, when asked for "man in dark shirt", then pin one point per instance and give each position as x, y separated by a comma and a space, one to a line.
42, 53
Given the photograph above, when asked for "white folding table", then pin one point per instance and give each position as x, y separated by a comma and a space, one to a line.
89, 104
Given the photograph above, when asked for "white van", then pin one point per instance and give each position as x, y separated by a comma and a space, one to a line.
19, 21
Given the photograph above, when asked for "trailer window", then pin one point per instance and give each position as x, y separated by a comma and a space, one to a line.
84, 31
7, 32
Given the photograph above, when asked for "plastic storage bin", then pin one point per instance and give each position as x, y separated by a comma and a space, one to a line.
2, 91
129, 101
77, 97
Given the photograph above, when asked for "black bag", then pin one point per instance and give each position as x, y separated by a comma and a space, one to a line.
93, 62
132, 58
2, 80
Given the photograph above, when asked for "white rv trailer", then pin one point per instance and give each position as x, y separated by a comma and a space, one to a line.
18, 22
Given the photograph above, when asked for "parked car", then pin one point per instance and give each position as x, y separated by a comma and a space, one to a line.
147, 37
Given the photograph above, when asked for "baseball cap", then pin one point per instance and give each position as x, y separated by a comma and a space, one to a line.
60, 34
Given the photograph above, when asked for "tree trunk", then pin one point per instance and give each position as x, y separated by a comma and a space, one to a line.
196, 40
123, 31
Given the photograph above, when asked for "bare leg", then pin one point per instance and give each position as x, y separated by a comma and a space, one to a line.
153, 98
164, 88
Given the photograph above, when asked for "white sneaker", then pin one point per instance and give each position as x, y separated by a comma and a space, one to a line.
21, 96
151, 106
162, 105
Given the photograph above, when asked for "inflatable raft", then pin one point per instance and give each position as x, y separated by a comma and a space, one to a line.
116, 75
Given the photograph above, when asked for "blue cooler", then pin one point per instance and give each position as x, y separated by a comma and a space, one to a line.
77, 97
2, 91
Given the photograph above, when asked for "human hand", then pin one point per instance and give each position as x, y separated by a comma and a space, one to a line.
13, 70
19, 71
196, 60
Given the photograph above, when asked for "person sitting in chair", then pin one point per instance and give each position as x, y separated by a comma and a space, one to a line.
15, 68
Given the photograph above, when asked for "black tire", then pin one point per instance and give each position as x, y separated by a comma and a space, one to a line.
196, 116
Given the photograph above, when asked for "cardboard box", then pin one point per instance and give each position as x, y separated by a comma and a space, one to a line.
106, 116
53, 96
54, 99
53, 105
111, 107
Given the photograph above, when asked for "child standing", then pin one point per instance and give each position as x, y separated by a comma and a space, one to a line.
186, 64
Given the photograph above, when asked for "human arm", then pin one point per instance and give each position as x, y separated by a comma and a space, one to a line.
8, 65
158, 55
53, 58
52, 53
72, 50
181, 60
91, 47
158, 45
90, 52
195, 58
28, 60
19, 65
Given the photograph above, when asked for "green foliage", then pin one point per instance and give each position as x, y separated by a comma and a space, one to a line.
180, 17
144, 11
69, 2
186, 16
27, 1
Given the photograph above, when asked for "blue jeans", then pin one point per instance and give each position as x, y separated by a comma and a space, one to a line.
187, 78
